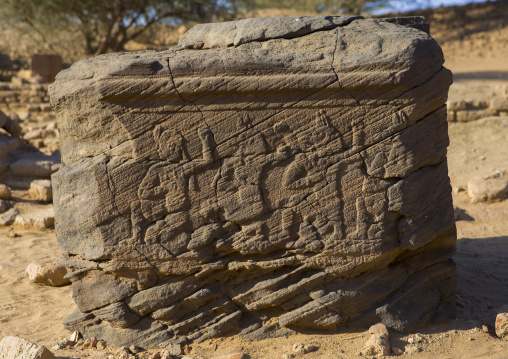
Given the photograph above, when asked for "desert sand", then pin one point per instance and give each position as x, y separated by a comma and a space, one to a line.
477, 149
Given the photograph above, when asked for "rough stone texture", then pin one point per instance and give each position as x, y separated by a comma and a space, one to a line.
51, 273
290, 168
502, 325
19, 348
41, 190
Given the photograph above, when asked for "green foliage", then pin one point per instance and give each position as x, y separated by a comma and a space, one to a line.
349, 7
109, 24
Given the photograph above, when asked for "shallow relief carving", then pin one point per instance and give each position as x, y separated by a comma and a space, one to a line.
207, 217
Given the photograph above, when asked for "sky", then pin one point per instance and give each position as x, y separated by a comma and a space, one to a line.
408, 5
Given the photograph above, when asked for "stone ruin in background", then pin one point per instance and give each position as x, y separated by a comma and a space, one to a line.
263, 176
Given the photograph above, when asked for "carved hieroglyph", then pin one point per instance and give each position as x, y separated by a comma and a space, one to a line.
265, 174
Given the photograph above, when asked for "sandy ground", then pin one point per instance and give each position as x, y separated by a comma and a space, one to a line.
477, 149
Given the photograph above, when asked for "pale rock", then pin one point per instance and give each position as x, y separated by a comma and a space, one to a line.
485, 328
101, 345
155, 355
502, 325
188, 173
299, 348
377, 344
33, 134
166, 355
41, 190
5, 192
41, 219
49, 273
499, 104
19, 348
487, 189
90, 343
379, 328
75, 336
287, 356
8, 218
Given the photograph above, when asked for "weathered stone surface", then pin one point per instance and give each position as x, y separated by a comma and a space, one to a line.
289, 168
19, 348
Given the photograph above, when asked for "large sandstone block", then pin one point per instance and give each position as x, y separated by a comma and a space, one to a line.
289, 168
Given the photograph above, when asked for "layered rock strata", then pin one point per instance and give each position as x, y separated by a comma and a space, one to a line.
265, 174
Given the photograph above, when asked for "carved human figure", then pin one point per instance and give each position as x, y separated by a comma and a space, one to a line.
164, 191
238, 183
321, 147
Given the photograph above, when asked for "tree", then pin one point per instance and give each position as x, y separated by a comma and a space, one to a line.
109, 24
99, 26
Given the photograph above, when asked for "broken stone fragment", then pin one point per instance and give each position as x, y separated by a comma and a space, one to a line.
379, 329
7, 218
487, 189
40, 219
5, 192
502, 325
10, 125
377, 344
3, 206
51, 273
19, 348
290, 166
41, 190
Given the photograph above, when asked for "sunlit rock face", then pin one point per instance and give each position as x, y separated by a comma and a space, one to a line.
263, 176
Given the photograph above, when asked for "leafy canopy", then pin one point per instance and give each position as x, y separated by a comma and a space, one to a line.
108, 25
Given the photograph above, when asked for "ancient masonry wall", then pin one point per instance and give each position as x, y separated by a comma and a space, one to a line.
265, 175
23, 96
